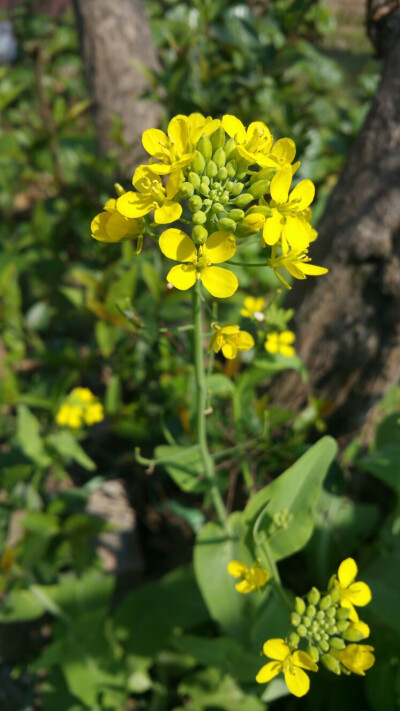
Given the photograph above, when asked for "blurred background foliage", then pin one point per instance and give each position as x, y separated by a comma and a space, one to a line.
72, 637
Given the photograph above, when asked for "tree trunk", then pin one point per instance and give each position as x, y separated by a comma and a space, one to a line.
348, 323
116, 42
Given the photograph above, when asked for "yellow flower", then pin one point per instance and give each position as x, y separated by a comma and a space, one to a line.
281, 155
230, 339
152, 195
280, 343
111, 226
252, 578
297, 264
251, 143
198, 125
198, 262
81, 406
289, 219
291, 664
357, 658
351, 593
172, 150
253, 308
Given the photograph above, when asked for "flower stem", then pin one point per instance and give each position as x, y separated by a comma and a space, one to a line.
201, 394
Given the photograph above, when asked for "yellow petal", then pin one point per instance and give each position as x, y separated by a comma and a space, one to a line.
295, 269
142, 175
268, 672
98, 226
168, 212
280, 184
244, 587
174, 182
276, 649
111, 204
311, 269
359, 594
221, 283
353, 616
219, 247
287, 337
118, 227
176, 244
347, 572
178, 133
244, 342
134, 204
229, 350
287, 351
297, 681
234, 127
303, 192
272, 343
183, 276
153, 139
302, 659
284, 150
230, 330
361, 627
296, 233
357, 658
259, 576
272, 228
237, 569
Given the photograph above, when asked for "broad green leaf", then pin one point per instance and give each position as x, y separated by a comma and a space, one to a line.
384, 463
222, 652
271, 364
184, 465
209, 689
28, 435
148, 616
42, 523
219, 385
383, 577
67, 445
20, 606
294, 495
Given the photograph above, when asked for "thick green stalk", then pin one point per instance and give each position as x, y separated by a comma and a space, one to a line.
201, 396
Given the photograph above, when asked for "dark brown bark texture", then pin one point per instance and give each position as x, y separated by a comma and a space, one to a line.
116, 41
348, 322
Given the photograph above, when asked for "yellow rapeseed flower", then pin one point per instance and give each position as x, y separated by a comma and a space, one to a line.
297, 263
111, 226
290, 217
152, 195
351, 593
230, 339
253, 308
173, 149
357, 658
198, 261
81, 407
251, 579
290, 663
251, 143
281, 155
280, 343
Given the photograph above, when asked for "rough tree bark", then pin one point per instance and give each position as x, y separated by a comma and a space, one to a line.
348, 322
115, 39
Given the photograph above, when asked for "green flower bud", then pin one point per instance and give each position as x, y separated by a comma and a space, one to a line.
337, 643
300, 606
223, 173
186, 190
314, 626
205, 179
244, 199
213, 194
324, 645
343, 613
219, 157
224, 198
311, 610
207, 202
293, 639
352, 635
302, 631
204, 189
332, 629
217, 207
342, 625
295, 619
317, 637
218, 139
194, 179
204, 147
314, 595
199, 218
119, 189
325, 602
259, 188
211, 169
195, 203
237, 189
198, 163
335, 594
231, 168
226, 224
236, 215
313, 652
320, 615
230, 147
306, 621
229, 185
199, 234
330, 663
331, 611
241, 175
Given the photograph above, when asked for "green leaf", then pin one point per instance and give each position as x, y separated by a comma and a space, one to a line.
148, 616
272, 364
209, 689
152, 280
384, 463
222, 652
67, 445
220, 386
20, 606
183, 464
44, 524
293, 494
28, 435
383, 577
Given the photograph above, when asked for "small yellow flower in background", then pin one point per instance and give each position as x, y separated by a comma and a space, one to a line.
111, 226
290, 663
251, 579
253, 308
152, 195
280, 343
357, 658
230, 339
81, 407
351, 593
198, 261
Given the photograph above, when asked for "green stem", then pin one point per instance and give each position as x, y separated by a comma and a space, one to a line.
275, 577
201, 394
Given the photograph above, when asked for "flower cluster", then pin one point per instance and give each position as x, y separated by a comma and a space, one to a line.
227, 181
250, 579
81, 407
329, 627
